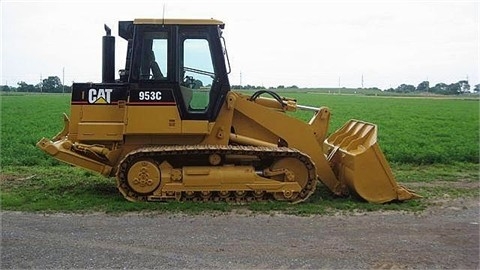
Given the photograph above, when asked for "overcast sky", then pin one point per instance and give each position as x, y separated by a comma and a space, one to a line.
270, 43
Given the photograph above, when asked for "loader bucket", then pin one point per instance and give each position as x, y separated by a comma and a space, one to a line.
358, 162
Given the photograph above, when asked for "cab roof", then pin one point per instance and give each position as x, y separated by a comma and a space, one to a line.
125, 28
179, 21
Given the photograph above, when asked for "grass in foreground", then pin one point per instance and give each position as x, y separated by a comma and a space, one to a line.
68, 189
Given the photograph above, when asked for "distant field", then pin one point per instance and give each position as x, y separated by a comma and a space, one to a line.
411, 130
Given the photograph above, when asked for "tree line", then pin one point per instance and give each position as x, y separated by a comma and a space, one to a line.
53, 84
457, 88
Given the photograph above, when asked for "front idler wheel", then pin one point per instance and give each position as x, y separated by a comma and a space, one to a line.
144, 177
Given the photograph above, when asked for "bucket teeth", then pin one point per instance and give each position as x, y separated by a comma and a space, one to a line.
405, 193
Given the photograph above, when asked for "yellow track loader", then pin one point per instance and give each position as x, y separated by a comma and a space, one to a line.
170, 128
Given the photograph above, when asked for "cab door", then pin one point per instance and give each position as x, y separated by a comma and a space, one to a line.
151, 106
202, 77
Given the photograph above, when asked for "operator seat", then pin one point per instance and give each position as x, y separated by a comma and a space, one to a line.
157, 73
149, 69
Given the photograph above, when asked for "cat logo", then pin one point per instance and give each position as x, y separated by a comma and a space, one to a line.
100, 96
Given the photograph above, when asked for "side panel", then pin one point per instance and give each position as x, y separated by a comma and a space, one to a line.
195, 127
153, 120
102, 113
100, 131
97, 112
152, 110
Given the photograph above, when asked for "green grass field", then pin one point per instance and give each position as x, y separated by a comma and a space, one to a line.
410, 130
424, 139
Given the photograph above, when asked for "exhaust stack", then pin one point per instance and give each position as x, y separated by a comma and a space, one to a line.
108, 56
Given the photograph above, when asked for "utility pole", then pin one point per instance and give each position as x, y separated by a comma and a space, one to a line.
240, 78
338, 86
362, 80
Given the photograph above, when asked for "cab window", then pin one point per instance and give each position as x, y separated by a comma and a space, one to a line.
197, 73
154, 56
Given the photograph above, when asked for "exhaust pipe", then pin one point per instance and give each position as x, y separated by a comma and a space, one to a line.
108, 56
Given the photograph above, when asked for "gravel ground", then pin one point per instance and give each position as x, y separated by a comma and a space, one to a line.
444, 236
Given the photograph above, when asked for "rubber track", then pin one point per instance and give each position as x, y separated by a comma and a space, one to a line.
161, 153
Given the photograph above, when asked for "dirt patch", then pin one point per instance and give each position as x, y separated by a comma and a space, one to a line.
14, 178
9, 181
460, 183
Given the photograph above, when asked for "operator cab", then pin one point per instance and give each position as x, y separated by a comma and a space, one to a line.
182, 57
